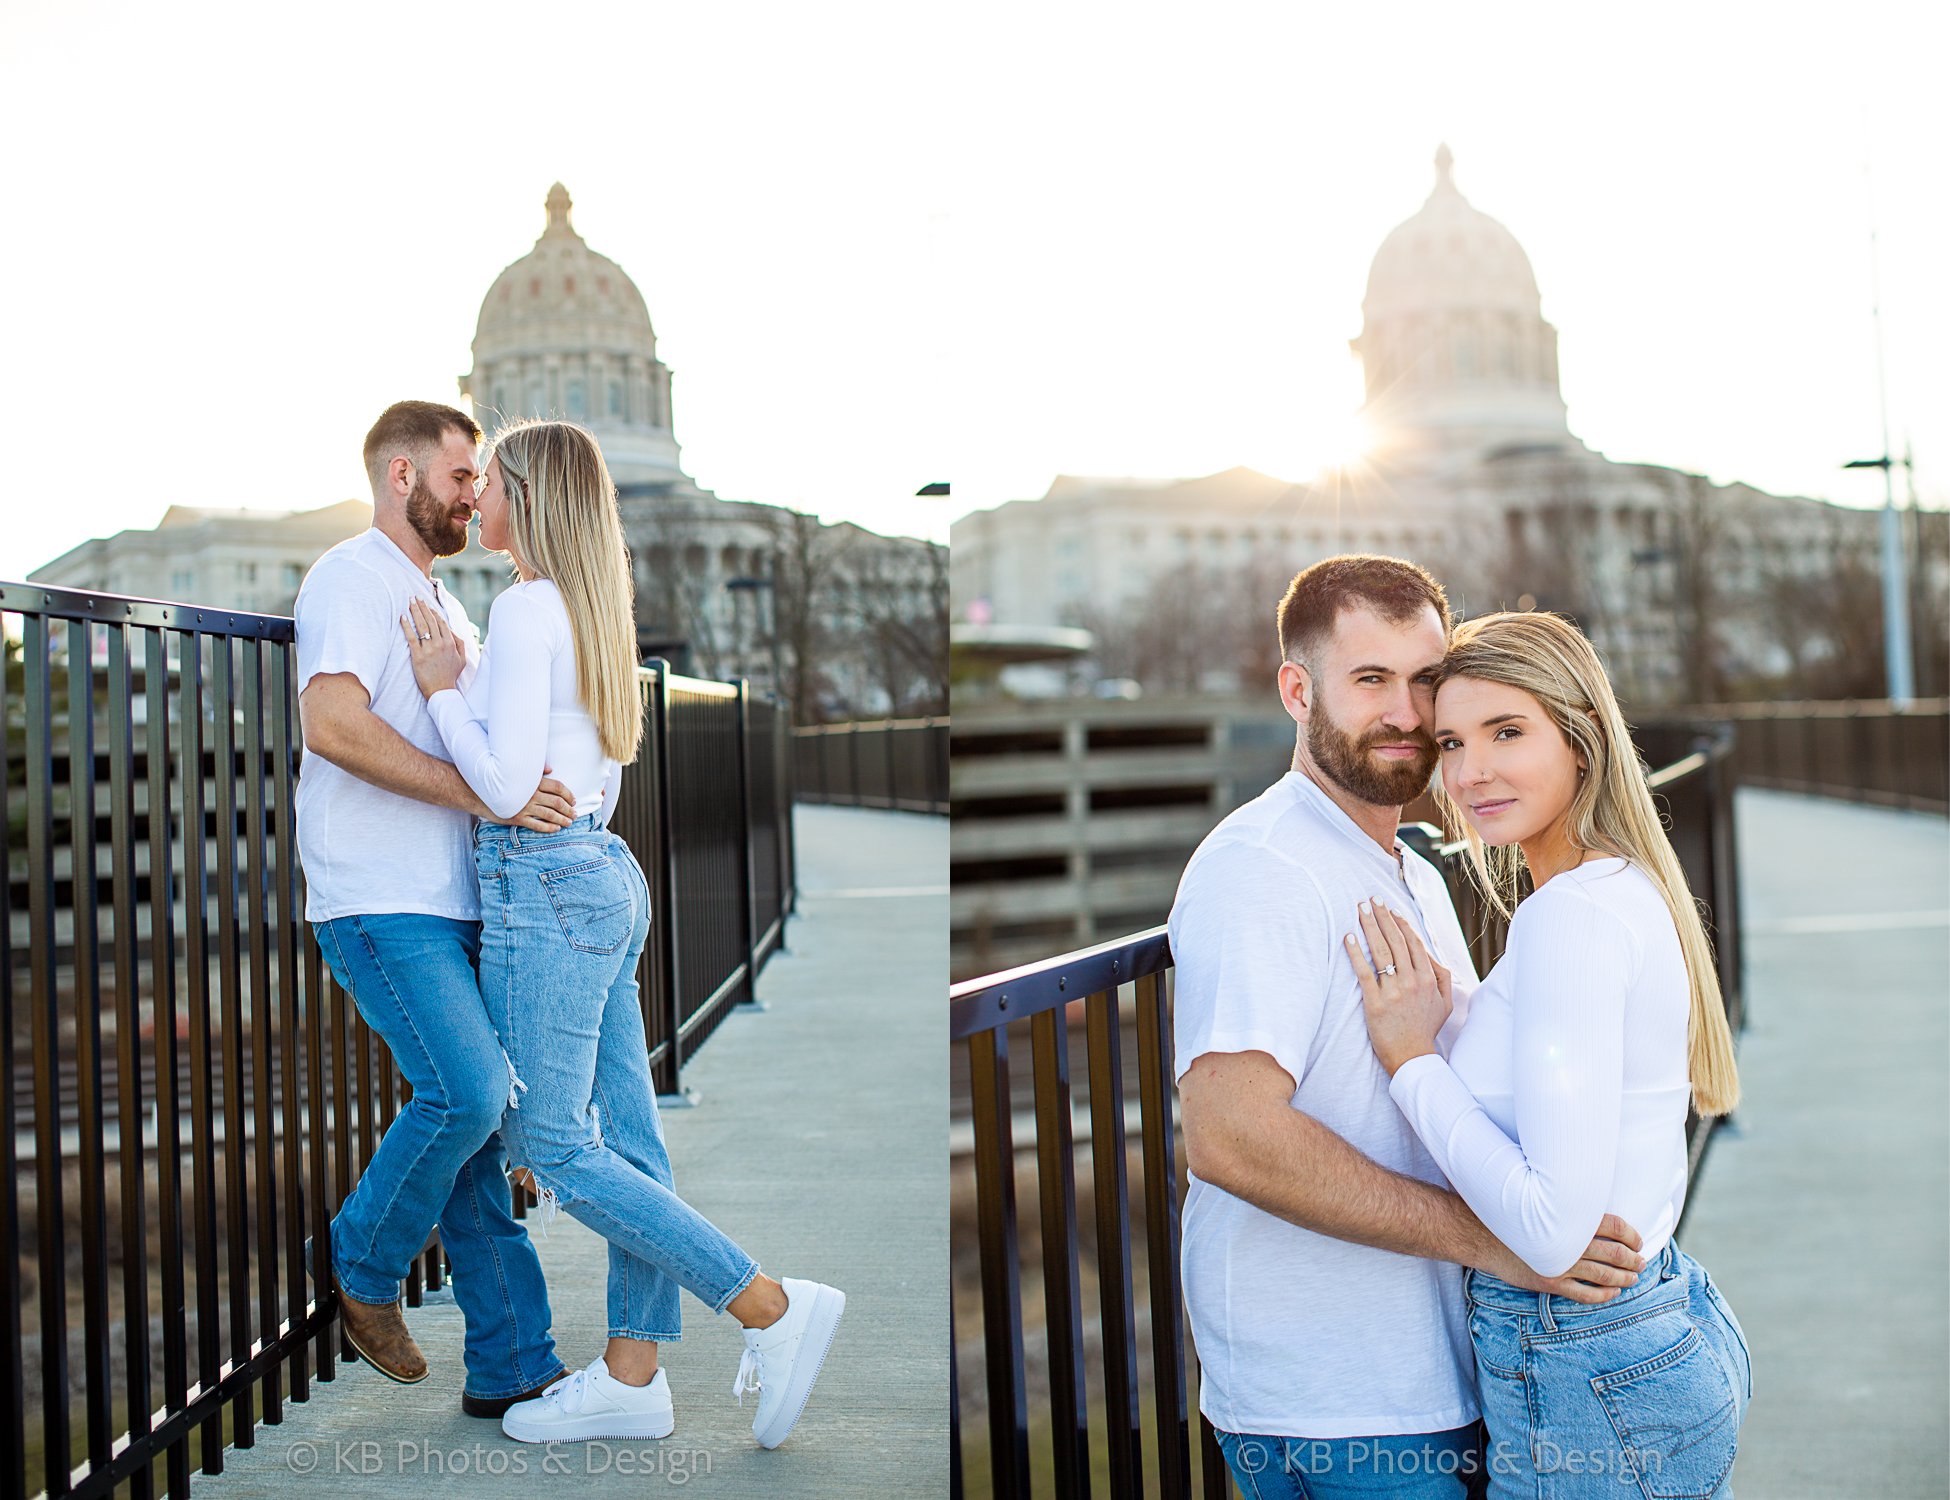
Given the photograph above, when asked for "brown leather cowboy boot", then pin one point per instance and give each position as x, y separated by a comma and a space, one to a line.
378, 1332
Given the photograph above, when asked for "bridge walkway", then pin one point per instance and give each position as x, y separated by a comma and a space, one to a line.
1823, 1209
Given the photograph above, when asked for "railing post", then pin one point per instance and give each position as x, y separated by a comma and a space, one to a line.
782, 757
49, 1215
1122, 1422
995, 1186
88, 1040
13, 1391
288, 914
1724, 893
131, 1164
747, 875
230, 994
196, 934
1162, 1245
1049, 1038
665, 919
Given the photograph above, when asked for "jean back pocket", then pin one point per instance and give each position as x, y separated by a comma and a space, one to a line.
1678, 1419
594, 903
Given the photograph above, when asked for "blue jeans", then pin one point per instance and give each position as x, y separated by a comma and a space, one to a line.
413, 979
1642, 1395
1412, 1466
564, 917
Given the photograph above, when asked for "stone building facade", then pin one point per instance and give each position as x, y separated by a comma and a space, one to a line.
249, 560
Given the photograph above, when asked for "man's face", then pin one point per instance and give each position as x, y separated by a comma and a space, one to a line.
1370, 705
442, 498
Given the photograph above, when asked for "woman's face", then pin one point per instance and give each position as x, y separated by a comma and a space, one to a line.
1504, 761
492, 503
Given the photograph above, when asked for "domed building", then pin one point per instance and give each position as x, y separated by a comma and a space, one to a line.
565, 332
1692, 590
1456, 356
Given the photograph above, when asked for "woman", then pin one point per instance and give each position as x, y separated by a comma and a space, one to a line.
564, 918
1565, 1092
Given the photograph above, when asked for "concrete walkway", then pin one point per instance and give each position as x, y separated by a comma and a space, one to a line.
1824, 1211
819, 1143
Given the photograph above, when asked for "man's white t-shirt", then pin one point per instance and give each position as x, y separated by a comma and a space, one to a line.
367, 851
1299, 1334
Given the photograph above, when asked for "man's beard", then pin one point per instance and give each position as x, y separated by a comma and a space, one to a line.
432, 521
1346, 761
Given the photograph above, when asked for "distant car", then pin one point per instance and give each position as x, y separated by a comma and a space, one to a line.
1125, 689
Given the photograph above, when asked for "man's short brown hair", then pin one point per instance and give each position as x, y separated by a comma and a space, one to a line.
415, 429
1392, 587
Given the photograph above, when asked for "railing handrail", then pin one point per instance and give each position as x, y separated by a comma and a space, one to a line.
1800, 708
990, 1000
1017, 994
857, 726
98, 607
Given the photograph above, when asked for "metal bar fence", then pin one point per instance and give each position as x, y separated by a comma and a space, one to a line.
1869, 751
893, 763
185, 1093
1037, 1409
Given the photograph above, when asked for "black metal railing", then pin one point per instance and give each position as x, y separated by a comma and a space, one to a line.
708, 814
897, 763
1862, 750
1036, 1416
185, 1093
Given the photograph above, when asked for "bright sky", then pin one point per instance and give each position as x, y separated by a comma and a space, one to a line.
889, 244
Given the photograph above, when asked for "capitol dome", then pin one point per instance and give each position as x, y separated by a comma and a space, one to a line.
564, 332
1455, 353
1450, 255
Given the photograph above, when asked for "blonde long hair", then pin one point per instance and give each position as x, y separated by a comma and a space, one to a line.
563, 525
1612, 811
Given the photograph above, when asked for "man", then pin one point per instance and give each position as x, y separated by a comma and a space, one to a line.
1322, 1251
386, 841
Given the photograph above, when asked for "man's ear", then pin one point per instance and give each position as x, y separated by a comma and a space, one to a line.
1296, 690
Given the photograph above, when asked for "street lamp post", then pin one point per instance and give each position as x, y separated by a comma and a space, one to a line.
1897, 665
1895, 596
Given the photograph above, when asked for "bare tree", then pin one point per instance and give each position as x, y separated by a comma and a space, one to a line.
1781, 608
1845, 598
905, 621
1188, 627
805, 565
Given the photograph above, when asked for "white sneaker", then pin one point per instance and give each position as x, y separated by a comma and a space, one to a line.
782, 1362
592, 1403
